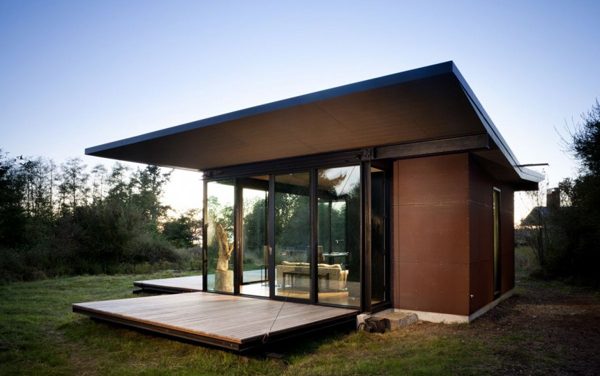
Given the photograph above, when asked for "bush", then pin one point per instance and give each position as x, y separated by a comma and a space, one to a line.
148, 248
572, 252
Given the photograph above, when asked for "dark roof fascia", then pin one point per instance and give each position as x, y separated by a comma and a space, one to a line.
524, 173
374, 83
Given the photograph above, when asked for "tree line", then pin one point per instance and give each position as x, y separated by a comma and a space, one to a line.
69, 219
566, 237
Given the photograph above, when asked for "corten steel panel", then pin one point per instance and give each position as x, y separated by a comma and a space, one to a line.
430, 268
481, 284
480, 183
434, 233
482, 236
481, 227
433, 287
432, 180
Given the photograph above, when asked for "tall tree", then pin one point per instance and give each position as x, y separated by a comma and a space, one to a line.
183, 231
12, 216
38, 183
73, 187
575, 234
586, 142
119, 188
99, 182
148, 184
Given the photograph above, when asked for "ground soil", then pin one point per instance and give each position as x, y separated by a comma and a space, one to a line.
545, 328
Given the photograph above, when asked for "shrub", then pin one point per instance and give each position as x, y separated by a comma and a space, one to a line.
149, 248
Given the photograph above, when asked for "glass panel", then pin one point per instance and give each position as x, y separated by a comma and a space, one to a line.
292, 235
220, 243
378, 229
255, 279
339, 236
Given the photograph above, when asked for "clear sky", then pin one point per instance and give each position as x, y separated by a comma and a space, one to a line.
75, 74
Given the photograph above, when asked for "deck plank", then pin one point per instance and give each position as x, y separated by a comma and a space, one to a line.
233, 319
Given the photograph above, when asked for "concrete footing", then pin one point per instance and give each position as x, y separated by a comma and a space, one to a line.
397, 319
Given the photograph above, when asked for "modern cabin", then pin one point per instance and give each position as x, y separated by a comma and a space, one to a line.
395, 192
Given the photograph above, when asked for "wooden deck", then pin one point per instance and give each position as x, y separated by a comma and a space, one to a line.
233, 322
171, 285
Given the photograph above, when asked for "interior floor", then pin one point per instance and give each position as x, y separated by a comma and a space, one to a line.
260, 289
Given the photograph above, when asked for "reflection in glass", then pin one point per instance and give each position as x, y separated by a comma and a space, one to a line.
292, 235
220, 242
254, 239
338, 194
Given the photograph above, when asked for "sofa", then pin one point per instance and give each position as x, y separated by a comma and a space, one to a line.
296, 275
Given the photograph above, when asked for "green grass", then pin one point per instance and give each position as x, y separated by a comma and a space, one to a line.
40, 335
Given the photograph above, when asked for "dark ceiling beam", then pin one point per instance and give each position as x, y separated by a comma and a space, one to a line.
353, 157
441, 146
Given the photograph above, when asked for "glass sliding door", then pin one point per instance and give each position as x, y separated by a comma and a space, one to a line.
338, 192
220, 235
312, 220
292, 235
254, 246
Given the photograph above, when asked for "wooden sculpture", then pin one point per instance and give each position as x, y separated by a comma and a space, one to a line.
223, 276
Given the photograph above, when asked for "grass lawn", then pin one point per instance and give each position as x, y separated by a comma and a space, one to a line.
547, 328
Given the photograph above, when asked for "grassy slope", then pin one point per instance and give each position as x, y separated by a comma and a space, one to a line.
40, 335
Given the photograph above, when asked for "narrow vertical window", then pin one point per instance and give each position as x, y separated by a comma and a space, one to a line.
497, 249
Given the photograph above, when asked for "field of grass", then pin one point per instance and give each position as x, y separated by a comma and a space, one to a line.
527, 334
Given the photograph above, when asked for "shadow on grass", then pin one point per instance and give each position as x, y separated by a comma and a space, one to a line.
100, 333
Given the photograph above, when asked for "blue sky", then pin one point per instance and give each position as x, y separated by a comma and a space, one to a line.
81, 73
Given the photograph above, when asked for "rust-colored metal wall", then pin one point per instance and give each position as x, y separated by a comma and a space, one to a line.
482, 236
443, 235
430, 267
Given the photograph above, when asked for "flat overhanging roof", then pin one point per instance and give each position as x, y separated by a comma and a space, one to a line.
420, 105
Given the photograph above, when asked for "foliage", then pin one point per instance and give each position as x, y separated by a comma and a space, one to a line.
183, 231
73, 189
66, 220
12, 214
255, 232
574, 230
586, 142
